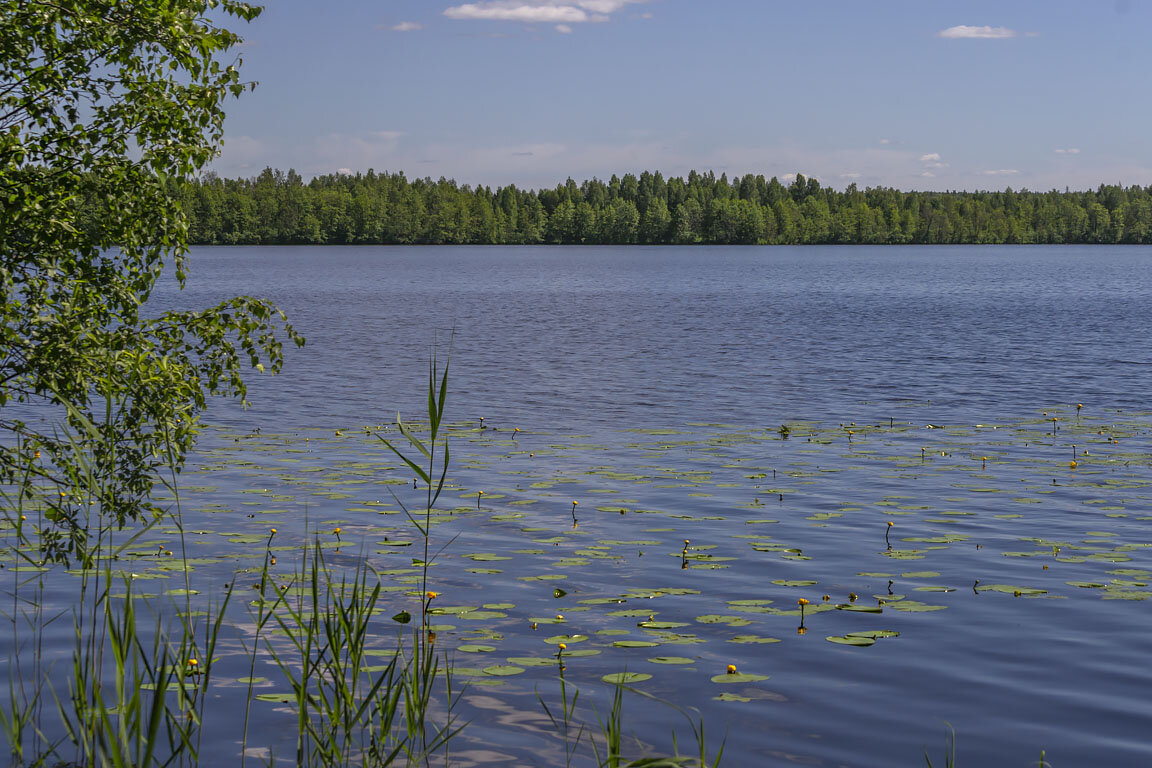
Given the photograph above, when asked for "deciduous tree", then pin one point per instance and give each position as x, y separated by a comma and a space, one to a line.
106, 107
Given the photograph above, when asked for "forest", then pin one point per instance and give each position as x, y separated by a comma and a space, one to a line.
388, 208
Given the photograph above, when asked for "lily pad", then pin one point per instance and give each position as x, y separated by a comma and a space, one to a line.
753, 639
737, 677
626, 678
503, 670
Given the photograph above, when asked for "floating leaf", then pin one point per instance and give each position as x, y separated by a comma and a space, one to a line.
850, 640
726, 696
738, 677
626, 678
753, 639
715, 618
503, 670
911, 606
534, 661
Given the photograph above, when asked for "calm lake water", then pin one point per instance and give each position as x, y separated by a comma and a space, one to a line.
650, 386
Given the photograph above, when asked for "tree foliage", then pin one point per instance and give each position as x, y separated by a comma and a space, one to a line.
106, 107
278, 208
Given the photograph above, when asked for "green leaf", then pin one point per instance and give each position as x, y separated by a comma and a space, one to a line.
626, 678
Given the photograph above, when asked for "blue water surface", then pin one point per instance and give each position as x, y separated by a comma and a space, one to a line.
657, 380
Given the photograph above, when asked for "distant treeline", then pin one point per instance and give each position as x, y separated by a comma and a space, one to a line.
279, 208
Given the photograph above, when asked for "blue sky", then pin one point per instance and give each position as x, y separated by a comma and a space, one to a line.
931, 94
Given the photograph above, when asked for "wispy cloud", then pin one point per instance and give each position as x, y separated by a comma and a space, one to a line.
407, 26
933, 160
963, 31
1068, 151
558, 12
1000, 172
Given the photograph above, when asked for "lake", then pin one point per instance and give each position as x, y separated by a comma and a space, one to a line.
885, 432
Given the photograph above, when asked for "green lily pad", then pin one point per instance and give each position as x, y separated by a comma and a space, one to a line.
753, 639
726, 696
715, 618
671, 660
626, 678
533, 661
737, 677
503, 670
1012, 590
911, 606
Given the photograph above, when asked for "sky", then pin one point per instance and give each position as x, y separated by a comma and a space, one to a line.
911, 94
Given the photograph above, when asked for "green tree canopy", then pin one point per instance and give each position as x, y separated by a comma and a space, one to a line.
106, 107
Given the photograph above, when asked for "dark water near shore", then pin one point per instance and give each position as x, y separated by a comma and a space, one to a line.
654, 381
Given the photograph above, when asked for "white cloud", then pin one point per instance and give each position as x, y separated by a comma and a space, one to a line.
933, 160
1000, 172
518, 12
928, 175
885, 141
850, 175
344, 171
559, 12
983, 33
407, 26
564, 29
1068, 151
